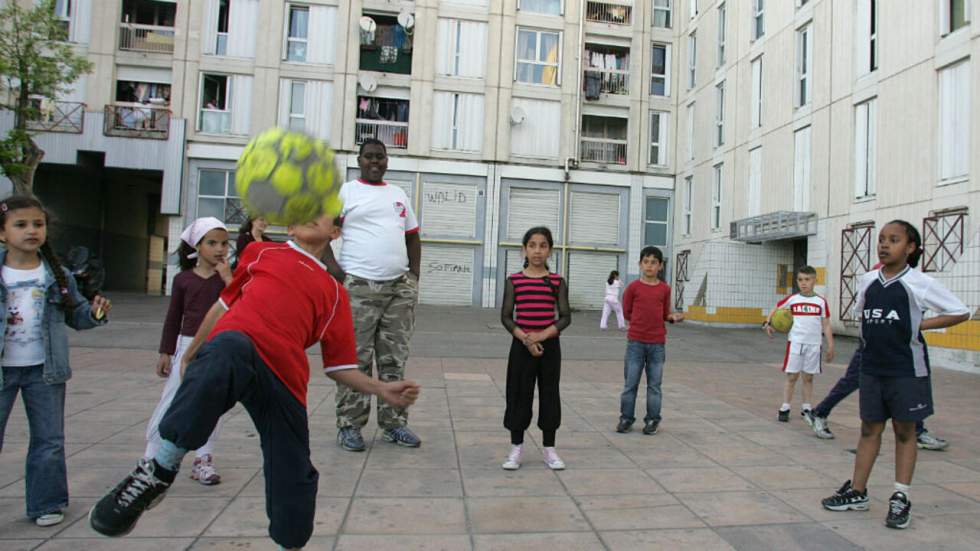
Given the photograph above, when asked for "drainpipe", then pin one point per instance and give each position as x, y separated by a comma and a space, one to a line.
572, 162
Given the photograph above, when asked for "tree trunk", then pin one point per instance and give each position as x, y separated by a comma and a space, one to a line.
24, 180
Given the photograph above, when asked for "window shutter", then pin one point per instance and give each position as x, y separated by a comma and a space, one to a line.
209, 28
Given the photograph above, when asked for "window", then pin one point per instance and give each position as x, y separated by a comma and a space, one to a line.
388, 49
688, 192
661, 13
801, 170
758, 19
298, 33
660, 81
716, 199
804, 64
656, 221
720, 114
757, 92
215, 104
604, 139
549, 7
865, 140
538, 57
692, 60
755, 182
953, 15
461, 48
221, 47
297, 101
873, 46
722, 11
690, 131
693, 5
942, 239
607, 70
458, 122
954, 121
216, 196
385, 119
62, 12
658, 137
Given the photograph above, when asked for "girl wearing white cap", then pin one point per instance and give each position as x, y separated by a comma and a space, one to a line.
204, 273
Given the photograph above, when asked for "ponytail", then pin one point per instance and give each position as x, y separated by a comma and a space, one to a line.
67, 301
183, 256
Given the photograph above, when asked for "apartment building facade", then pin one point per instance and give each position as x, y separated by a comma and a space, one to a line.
807, 126
499, 115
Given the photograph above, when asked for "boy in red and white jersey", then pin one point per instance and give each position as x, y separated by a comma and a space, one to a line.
811, 321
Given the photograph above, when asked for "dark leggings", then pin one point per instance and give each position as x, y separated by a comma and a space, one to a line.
523, 372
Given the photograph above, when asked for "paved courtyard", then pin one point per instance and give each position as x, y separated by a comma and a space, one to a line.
721, 474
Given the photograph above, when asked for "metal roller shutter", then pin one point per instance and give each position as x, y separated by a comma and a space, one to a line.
447, 275
594, 218
449, 210
587, 273
532, 207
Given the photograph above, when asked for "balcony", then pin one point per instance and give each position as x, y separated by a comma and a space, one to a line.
146, 38
215, 121
393, 134
137, 121
774, 226
58, 116
611, 12
603, 151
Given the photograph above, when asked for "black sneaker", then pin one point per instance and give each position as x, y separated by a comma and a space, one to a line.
651, 427
350, 439
846, 498
783, 416
624, 426
899, 511
401, 436
117, 512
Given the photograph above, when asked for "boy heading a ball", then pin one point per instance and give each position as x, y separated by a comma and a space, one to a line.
811, 318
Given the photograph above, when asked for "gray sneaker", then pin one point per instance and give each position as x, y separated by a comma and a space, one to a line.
401, 436
350, 439
818, 424
927, 441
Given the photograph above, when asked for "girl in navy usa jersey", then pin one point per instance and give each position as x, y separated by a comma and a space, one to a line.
895, 380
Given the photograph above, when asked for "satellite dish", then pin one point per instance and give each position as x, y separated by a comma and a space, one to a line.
517, 115
406, 19
368, 25
368, 82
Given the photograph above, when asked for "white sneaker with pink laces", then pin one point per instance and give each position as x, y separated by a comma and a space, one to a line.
513, 461
552, 460
204, 471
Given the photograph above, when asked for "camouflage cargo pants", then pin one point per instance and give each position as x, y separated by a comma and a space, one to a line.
384, 318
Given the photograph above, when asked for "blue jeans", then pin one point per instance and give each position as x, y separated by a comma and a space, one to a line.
47, 477
642, 357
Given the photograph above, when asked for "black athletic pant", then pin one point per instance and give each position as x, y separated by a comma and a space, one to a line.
846, 386
523, 371
228, 370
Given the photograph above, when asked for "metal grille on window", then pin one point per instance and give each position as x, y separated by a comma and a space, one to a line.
855, 260
942, 240
680, 278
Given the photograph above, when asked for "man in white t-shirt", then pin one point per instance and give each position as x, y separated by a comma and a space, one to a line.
811, 322
379, 265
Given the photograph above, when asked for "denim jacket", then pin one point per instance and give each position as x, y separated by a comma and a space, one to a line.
53, 321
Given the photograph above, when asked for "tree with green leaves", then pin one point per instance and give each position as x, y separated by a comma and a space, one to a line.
36, 61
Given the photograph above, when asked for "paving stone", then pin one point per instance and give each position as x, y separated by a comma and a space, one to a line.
406, 516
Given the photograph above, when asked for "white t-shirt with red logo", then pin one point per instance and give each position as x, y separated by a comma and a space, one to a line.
808, 314
376, 218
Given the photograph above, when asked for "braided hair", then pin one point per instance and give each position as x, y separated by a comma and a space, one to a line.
18, 202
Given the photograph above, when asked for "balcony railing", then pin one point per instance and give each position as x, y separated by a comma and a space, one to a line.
610, 11
146, 38
604, 151
215, 121
607, 82
59, 116
393, 134
137, 121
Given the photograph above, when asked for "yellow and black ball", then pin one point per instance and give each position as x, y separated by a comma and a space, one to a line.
288, 178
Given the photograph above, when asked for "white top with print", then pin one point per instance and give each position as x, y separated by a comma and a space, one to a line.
376, 218
24, 344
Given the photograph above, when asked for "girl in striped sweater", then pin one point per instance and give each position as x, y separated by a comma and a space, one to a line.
535, 310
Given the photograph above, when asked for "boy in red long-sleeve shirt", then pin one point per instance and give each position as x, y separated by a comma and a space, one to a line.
646, 305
